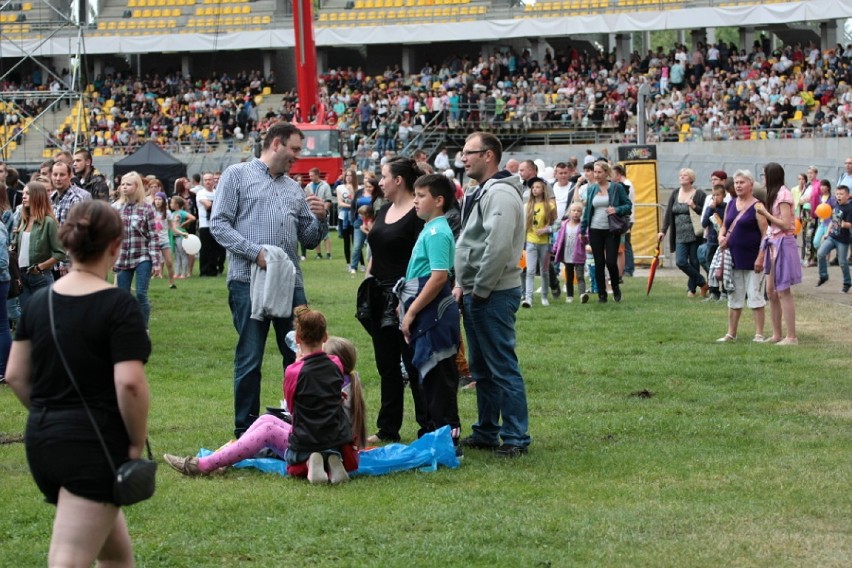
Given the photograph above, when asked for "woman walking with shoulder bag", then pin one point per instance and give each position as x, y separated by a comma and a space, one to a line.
102, 331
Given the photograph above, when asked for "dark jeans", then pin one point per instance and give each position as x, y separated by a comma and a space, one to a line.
390, 348
440, 394
211, 253
32, 282
629, 261
5, 335
142, 273
686, 258
500, 390
604, 245
248, 356
344, 231
570, 271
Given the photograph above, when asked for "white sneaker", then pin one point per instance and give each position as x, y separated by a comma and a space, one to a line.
545, 302
526, 304
569, 300
538, 291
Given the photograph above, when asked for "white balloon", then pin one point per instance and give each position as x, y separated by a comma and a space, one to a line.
540, 164
548, 173
191, 244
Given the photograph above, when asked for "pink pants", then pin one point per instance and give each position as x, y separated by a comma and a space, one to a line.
266, 432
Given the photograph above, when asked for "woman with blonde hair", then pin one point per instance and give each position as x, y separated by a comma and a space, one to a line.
685, 204
604, 198
140, 249
36, 241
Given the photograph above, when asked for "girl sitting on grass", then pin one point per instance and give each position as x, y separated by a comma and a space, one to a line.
270, 431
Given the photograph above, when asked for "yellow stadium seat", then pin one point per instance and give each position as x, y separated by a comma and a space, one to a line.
146, 13
246, 9
131, 3
27, 6
156, 13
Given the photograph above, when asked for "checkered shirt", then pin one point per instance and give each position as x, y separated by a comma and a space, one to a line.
252, 209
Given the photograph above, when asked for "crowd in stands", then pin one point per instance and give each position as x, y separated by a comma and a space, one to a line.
720, 92
715, 92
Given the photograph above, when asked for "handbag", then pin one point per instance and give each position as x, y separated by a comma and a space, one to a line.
135, 480
15, 283
618, 224
696, 222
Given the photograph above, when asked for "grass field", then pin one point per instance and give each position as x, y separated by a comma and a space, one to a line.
740, 456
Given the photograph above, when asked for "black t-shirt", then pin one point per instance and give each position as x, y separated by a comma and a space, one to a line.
96, 331
841, 213
391, 244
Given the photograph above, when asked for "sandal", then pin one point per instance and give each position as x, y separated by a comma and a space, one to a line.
759, 339
771, 340
788, 341
726, 339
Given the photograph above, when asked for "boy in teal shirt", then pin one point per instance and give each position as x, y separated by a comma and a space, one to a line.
430, 314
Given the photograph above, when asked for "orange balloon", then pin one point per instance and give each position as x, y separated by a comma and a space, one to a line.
823, 211
798, 226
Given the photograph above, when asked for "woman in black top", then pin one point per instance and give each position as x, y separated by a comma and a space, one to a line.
391, 240
103, 337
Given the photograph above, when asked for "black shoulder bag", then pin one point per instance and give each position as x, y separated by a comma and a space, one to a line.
135, 479
618, 224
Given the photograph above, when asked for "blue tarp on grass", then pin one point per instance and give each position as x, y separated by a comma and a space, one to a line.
426, 454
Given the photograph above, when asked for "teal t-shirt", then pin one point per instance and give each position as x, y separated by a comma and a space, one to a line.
434, 249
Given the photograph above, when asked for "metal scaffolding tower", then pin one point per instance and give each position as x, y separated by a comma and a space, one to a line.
24, 105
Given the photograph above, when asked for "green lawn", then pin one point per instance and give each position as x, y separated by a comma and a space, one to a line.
741, 456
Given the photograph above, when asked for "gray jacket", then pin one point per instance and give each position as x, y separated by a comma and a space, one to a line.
492, 237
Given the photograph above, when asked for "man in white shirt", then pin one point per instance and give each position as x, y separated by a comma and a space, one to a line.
442, 160
209, 247
562, 189
322, 190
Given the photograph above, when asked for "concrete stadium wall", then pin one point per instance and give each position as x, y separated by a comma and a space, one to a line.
827, 154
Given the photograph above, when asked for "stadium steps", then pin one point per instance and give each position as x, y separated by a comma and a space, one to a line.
33, 147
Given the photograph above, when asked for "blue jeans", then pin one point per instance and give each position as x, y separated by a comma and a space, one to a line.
629, 260
32, 282
248, 356
537, 256
686, 258
828, 245
500, 392
5, 335
124, 277
360, 239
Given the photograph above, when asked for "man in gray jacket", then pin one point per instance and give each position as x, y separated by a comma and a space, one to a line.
488, 283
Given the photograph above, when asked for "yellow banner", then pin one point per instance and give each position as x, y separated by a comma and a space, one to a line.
643, 236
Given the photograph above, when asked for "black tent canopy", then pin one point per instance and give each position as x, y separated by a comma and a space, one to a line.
150, 159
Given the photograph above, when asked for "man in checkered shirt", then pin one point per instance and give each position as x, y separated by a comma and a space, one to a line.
258, 204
